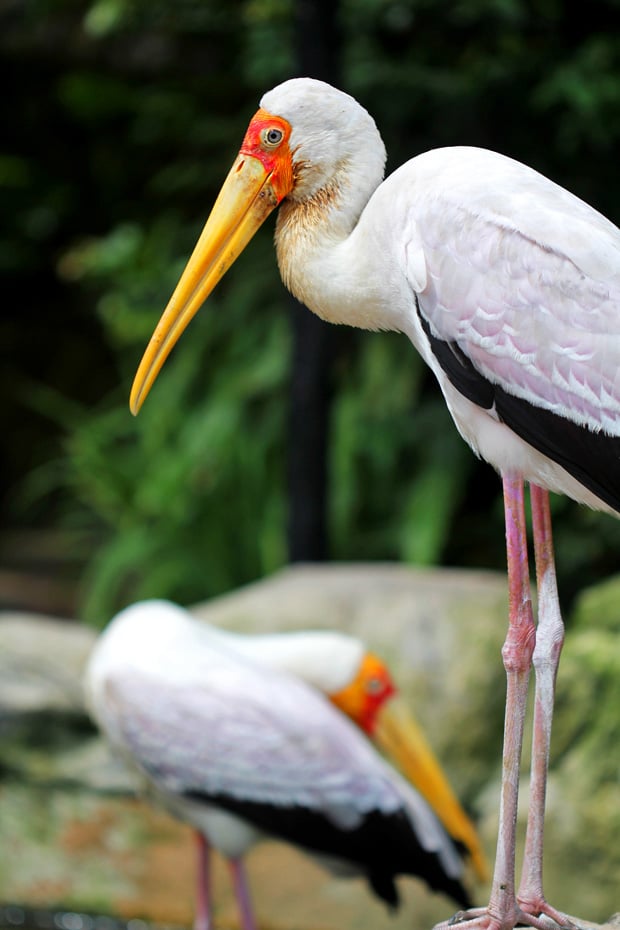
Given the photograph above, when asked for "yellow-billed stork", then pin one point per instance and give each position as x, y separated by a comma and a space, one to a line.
250, 736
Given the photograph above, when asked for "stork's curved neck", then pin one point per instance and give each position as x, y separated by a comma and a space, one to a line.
324, 659
327, 247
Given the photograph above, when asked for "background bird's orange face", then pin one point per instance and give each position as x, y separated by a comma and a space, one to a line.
366, 694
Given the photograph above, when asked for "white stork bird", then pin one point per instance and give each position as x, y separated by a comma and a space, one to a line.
247, 736
509, 287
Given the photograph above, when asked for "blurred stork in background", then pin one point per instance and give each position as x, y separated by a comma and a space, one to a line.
252, 736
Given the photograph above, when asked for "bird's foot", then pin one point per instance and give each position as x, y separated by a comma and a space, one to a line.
483, 918
536, 905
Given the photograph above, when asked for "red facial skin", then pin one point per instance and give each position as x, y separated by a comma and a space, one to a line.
274, 156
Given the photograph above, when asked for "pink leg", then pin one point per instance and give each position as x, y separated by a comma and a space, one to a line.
202, 919
503, 912
242, 894
549, 641
517, 655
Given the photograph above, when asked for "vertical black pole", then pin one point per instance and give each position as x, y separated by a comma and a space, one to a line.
316, 35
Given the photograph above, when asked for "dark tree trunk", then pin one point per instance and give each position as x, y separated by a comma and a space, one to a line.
317, 49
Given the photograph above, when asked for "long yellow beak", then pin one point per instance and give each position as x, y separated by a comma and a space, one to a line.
398, 734
244, 203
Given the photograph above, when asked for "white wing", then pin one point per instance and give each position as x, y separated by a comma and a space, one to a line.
203, 723
521, 275
253, 737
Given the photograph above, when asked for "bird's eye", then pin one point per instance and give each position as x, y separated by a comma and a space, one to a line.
374, 686
272, 137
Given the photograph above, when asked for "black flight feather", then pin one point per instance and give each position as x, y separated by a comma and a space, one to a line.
593, 458
382, 846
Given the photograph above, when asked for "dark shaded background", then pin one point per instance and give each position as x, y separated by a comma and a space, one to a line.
267, 437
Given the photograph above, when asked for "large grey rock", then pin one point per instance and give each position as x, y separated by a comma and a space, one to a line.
41, 663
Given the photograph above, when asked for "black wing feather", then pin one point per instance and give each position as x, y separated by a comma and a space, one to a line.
593, 458
382, 846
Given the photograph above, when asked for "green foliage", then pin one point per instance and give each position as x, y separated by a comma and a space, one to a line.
383, 432
599, 607
187, 499
591, 679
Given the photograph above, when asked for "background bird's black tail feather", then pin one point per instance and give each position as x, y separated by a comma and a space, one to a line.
382, 846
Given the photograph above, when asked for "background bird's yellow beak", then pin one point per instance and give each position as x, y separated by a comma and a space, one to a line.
397, 733
244, 203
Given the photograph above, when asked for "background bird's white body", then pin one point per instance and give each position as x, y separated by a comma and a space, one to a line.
201, 720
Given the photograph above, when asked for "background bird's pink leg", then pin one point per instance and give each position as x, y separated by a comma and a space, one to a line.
549, 641
242, 893
202, 917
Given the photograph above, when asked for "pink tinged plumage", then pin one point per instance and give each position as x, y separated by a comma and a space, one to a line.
521, 323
